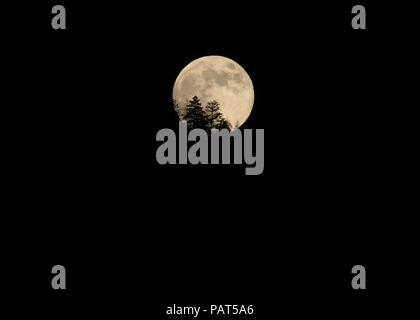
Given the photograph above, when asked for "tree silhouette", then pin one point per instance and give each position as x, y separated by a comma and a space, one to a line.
214, 116
195, 115
206, 118
215, 119
224, 124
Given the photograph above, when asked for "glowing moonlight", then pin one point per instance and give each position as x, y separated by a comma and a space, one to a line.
217, 78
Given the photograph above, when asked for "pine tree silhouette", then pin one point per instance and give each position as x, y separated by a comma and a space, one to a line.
206, 118
214, 116
224, 124
215, 119
195, 115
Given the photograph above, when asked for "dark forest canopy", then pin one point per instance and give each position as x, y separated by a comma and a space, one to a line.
207, 117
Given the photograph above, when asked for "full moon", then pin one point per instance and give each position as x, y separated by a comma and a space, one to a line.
217, 78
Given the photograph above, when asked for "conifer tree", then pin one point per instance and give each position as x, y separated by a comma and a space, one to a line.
195, 115
215, 119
